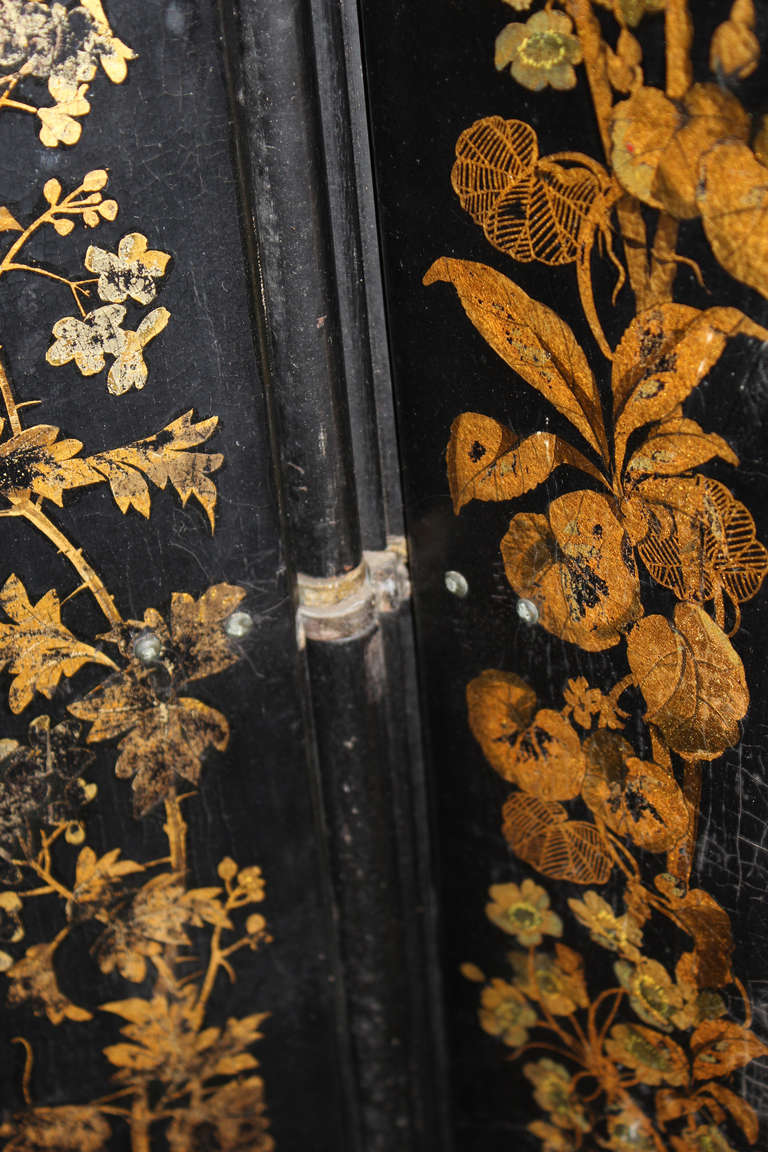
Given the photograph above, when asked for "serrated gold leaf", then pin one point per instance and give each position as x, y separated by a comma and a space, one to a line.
36, 648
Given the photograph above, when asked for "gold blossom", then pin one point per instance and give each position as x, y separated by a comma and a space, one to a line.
523, 911
654, 996
504, 1012
544, 979
552, 1091
540, 52
620, 934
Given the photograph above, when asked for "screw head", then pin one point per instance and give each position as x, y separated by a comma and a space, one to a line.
527, 611
148, 648
456, 584
239, 624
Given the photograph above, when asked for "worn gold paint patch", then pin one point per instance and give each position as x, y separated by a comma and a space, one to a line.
644, 1061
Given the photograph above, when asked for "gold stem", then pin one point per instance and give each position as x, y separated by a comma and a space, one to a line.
175, 829
679, 38
663, 260
9, 401
628, 211
25, 508
141, 1119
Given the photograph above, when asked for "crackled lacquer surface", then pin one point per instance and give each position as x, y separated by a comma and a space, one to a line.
140, 814
604, 408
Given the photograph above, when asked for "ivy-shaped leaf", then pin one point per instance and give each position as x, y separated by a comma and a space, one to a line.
36, 648
578, 568
692, 680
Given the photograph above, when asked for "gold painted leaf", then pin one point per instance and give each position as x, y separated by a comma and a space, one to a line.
677, 445
36, 648
733, 201
530, 209
697, 538
659, 144
487, 461
35, 460
577, 567
664, 353
721, 1046
492, 156
197, 629
692, 680
165, 739
500, 705
541, 834
163, 458
531, 339
547, 761
33, 981
742, 1112
654, 1057
8, 222
709, 964
634, 797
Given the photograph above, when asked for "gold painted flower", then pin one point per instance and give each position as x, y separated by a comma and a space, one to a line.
552, 1139
519, 5
630, 1130
523, 911
540, 52
552, 1091
98, 334
505, 1012
59, 125
653, 994
557, 983
655, 1058
586, 703
620, 934
133, 271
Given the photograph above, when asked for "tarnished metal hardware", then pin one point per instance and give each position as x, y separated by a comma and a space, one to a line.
342, 606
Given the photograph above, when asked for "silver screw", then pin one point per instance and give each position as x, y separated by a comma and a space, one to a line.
527, 611
456, 584
238, 625
148, 648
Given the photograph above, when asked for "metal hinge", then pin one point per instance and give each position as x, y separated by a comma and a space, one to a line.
344, 606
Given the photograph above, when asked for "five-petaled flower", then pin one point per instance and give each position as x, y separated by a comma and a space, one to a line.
523, 911
540, 52
620, 934
132, 271
504, 1012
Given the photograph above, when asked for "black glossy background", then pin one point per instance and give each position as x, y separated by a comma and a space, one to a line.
165, 137
430, 75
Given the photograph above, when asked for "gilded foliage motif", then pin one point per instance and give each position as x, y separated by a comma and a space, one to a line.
634, 1054
179, 1077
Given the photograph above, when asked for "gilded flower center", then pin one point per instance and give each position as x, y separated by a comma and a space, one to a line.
542, 49
524, 916
654, 996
